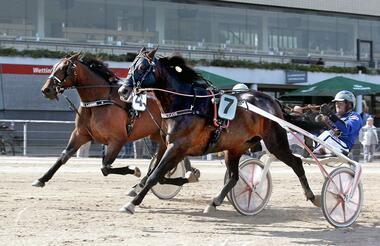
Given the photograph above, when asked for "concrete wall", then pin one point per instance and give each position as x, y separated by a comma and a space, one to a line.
361, 7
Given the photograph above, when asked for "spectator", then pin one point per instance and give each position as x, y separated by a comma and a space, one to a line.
365, 113
369, 140
320, 62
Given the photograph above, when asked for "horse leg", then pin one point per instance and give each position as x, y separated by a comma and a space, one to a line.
277, 144
113, 150
76, 140
191, 176
171, 157
156, 159
232, 164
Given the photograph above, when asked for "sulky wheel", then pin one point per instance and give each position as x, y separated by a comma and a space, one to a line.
338, 208
168, 191
249, 196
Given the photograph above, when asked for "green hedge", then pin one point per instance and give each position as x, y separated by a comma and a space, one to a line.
42, 53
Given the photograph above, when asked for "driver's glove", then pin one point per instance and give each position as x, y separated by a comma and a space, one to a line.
325, 110
125, 93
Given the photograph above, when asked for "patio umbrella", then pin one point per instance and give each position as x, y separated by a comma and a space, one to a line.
330, 87
218, 80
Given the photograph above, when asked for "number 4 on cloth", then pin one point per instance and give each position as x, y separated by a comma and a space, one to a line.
139, 102
227, 107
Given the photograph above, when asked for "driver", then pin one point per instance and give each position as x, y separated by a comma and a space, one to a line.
346, 122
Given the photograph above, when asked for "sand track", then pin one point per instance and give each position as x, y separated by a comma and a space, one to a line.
80, 207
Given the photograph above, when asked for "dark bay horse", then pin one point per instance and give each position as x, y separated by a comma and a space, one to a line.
105, 123
175, 85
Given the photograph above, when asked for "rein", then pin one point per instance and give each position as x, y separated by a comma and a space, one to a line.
139, 90
75, 110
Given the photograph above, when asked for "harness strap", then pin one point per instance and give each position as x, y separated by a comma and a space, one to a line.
96, 103
177, 113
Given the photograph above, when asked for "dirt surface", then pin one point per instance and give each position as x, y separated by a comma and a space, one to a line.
80, 207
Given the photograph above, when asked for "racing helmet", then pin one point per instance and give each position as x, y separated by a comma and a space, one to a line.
240, 87
345, 96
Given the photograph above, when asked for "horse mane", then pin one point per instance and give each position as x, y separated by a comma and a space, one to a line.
186, 74
99, 67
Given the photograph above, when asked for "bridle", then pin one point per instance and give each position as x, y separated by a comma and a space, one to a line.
59, 83
151, 69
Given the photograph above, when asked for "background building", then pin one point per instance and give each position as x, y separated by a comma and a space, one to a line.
328, 29
344, 33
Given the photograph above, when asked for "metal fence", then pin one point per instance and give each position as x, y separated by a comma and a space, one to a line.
49, 138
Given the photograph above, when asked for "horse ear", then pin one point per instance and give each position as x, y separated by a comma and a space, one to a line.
152, 53
75, 56
142, 50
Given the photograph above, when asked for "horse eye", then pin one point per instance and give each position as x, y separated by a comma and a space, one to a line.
142, 67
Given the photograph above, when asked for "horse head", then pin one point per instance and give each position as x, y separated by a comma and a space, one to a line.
63, 76
142, 71
165, 72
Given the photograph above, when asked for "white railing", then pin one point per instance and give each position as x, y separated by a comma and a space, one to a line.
50, 141
25, 128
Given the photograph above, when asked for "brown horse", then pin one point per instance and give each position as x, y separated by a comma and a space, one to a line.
102, 116
187, 103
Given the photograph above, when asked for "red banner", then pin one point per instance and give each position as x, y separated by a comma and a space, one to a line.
45, 70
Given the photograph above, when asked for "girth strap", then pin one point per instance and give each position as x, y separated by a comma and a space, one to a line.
176, 113
95, 103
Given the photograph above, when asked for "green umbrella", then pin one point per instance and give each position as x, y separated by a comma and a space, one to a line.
219, 81
330, 87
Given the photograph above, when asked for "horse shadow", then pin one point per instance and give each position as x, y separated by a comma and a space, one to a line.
293, 222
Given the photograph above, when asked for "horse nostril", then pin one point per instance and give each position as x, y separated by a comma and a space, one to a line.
46, 90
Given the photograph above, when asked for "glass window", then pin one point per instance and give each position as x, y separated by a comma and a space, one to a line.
364, 29
323, 34
188, 25
130, 21
287, 33
205, 25
346, 37
18, 18
376, 39
55, 18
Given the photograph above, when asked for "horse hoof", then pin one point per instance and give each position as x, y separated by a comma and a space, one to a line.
137, 172
129, 208
317, 201
209, 209
104, 171
38, 183
191, 177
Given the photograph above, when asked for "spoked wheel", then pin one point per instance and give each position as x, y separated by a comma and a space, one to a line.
250, 195
226, 176
338, 208
167, 191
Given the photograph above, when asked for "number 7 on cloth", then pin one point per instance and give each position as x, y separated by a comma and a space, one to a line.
227, 107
